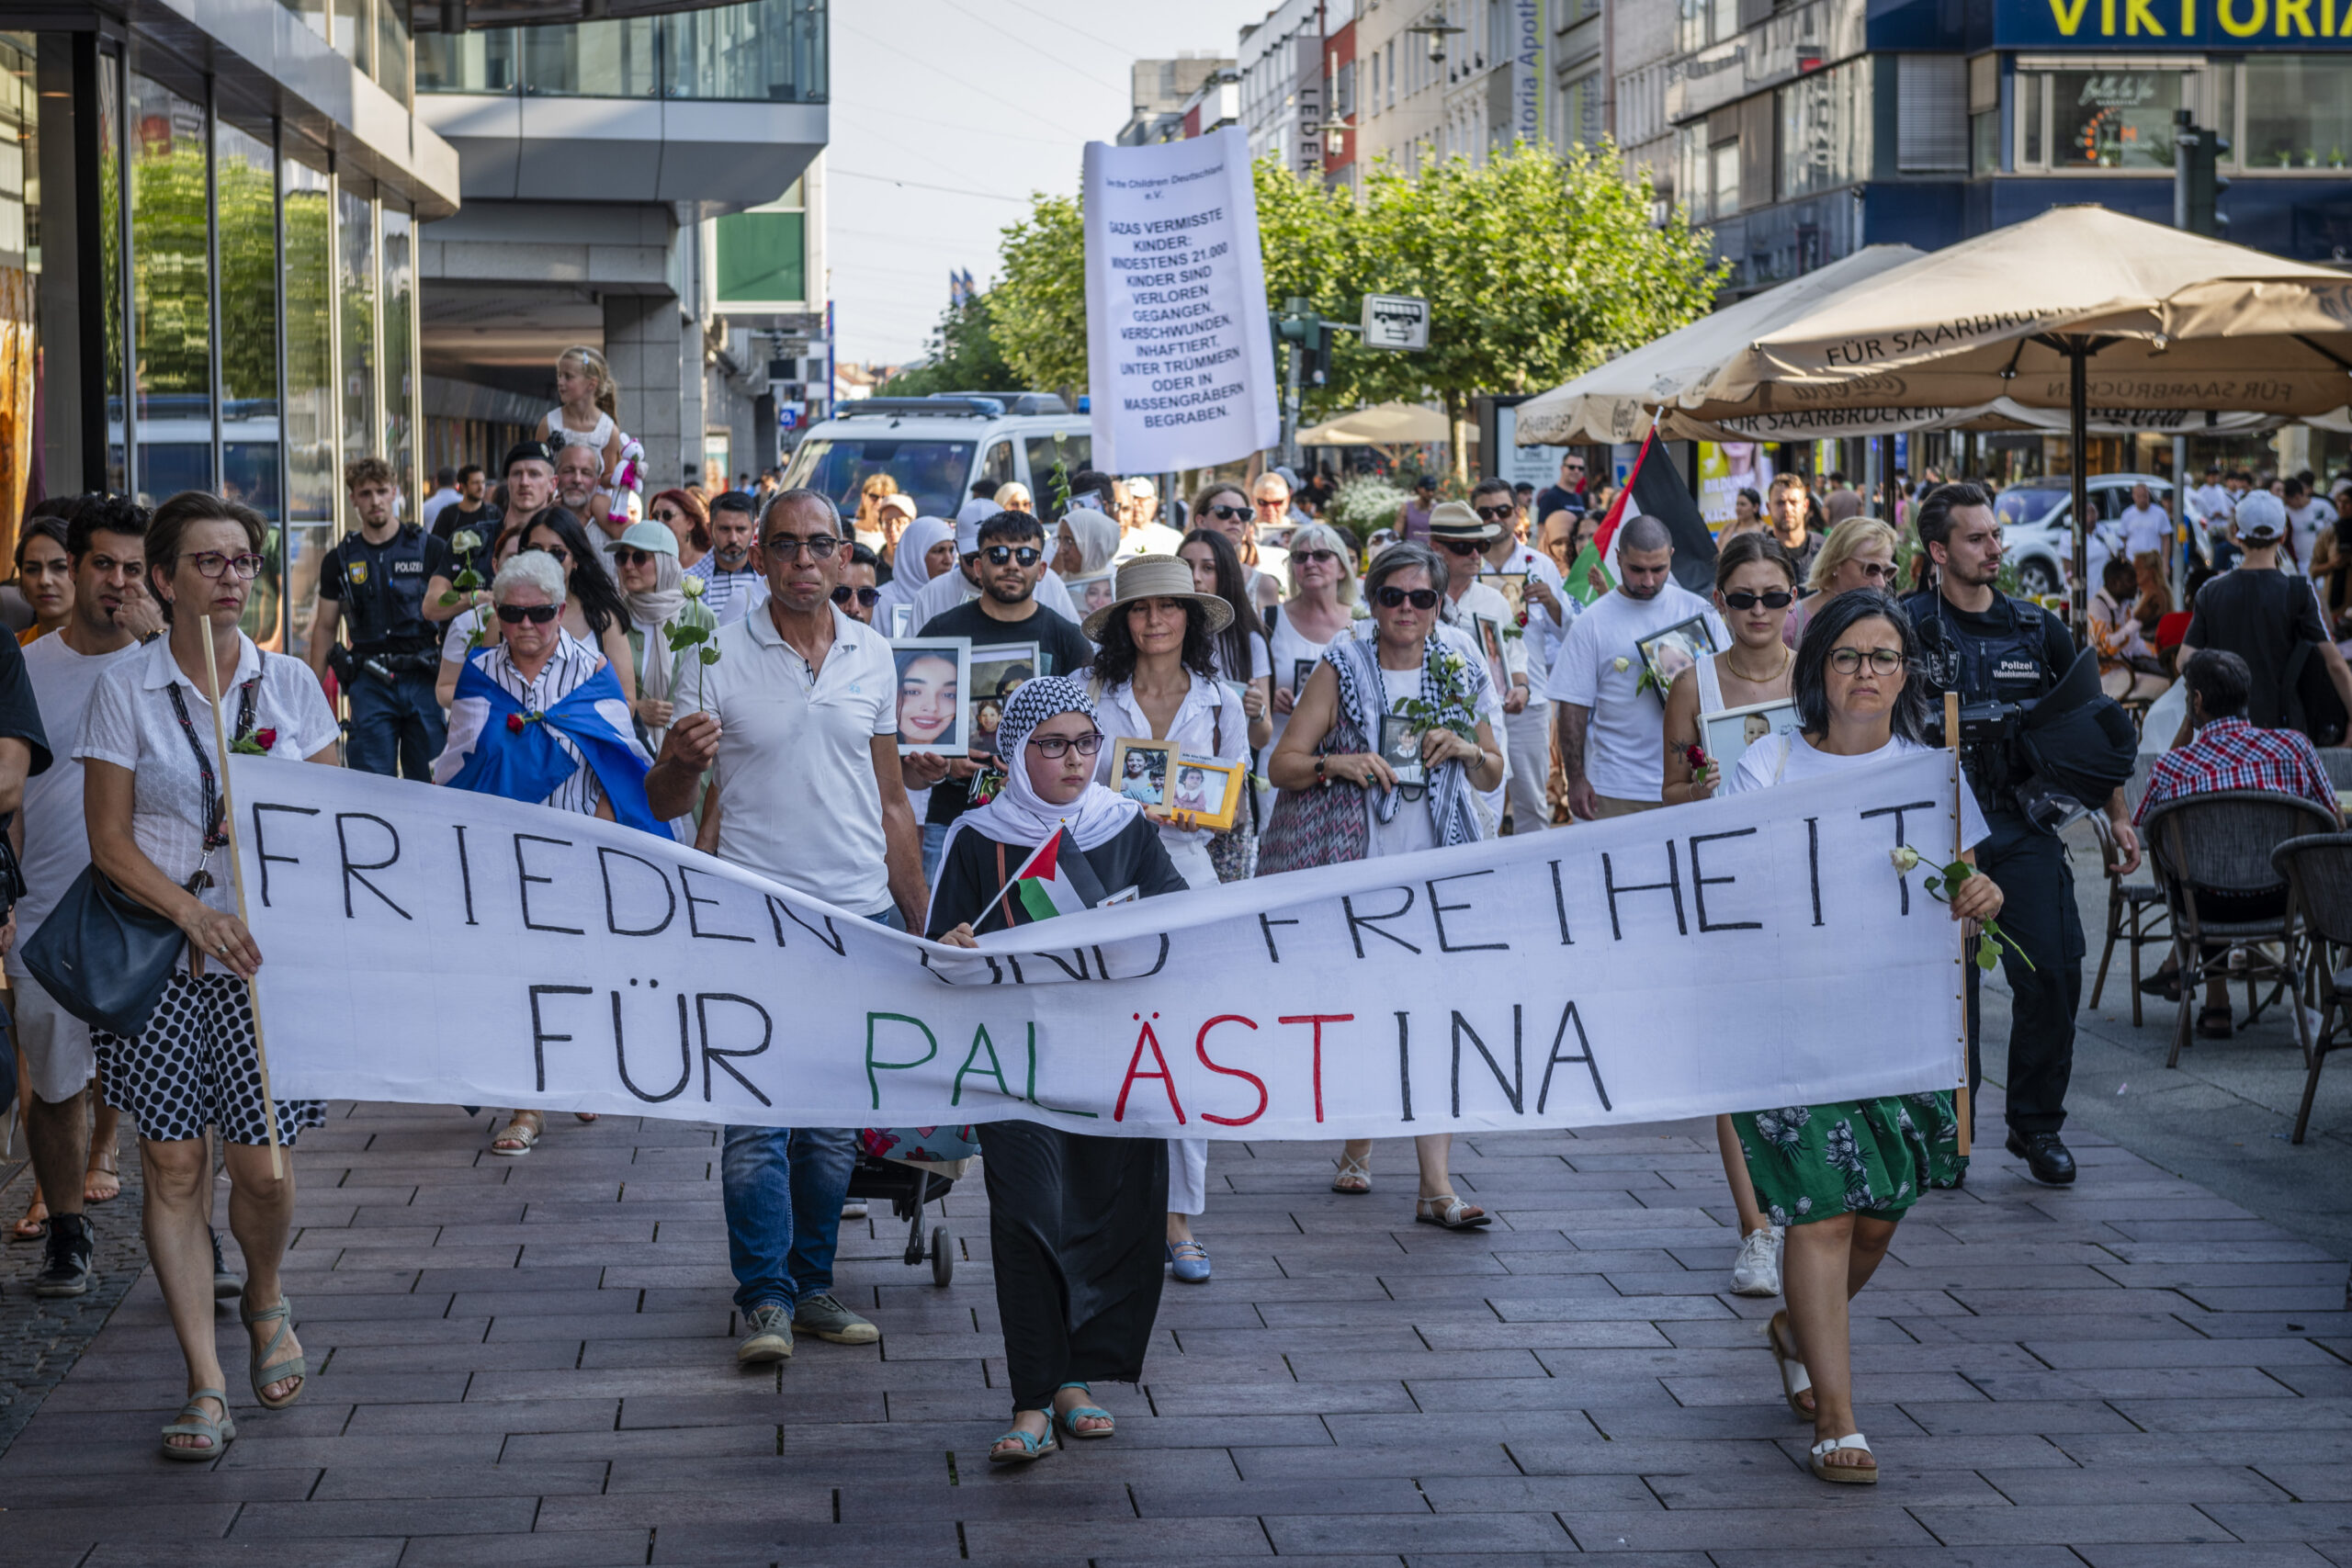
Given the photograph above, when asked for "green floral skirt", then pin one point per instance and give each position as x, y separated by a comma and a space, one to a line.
1859, 1157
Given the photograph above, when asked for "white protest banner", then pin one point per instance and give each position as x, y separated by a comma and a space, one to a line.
436, 946
1180, 364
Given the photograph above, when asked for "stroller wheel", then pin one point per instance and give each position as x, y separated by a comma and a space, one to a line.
943, 1257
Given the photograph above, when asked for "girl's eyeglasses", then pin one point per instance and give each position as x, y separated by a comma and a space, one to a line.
1882, 660
1062, 745
1779, 599
869, 597
538, 615
1422, 598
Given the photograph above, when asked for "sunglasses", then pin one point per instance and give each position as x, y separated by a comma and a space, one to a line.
1315, 558
1875, 571
1495, 514
633, 558
666, 514
538, 615
1461, 547
998, 555
558, 551
1062, 745
869, 597
1422, 598
1778, 599
1233, 514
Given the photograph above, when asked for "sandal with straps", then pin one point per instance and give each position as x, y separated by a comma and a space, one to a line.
1354, 1177
265, 1371
1845, 1475
1451, 1213
193, 1423
106, 1163
518, 1133
1033, 1446
1795, 1379
1066, 1421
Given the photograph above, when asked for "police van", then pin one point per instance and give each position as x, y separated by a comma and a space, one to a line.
938, 448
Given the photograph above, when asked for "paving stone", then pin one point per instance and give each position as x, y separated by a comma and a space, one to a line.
2072, 1524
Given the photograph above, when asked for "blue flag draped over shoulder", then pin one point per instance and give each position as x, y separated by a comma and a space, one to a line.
525, 762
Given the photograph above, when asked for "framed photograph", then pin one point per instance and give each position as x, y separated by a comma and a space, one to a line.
1728, 735
1090, 594
1301, 672
1210, 789
933, 675
1511, 585
1139, 771
1400, 747
902, 622
998, 670
1670, 652
1490, 641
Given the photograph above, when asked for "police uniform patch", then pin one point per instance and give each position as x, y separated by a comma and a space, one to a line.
356, 571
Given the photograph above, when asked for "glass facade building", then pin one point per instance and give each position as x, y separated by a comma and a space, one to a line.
172, 233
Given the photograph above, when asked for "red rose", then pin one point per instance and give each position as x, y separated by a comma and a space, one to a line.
1523, 617
265, 738
1697, 756
513, 724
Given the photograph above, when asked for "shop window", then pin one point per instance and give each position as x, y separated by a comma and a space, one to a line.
245, 182
400, 353
308, 290
19, 273
171, 294
2298, 113
2101, 119
354, 233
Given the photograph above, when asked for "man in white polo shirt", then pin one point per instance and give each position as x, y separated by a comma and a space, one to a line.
800, 715
1613, 731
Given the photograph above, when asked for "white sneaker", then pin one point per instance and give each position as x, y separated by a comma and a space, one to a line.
1757, 1271
854, 1208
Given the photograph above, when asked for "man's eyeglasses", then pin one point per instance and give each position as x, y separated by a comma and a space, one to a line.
1388, 598
787, 547
869, 597
1778, 599
1573, 467
1315, 558
1496, 513
212, 563
538, 615
1233, 514
1882, 660
1062, 745
632, 558
999, 554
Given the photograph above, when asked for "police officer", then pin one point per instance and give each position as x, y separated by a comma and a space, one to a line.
377, 579
1992, 647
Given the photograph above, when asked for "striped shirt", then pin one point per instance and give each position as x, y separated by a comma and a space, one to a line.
572, 662
722, 588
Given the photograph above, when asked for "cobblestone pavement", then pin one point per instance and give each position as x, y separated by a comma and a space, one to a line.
530, 1362
40, 1340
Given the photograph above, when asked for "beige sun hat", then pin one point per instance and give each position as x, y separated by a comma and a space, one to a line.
1459, 520
1154, 577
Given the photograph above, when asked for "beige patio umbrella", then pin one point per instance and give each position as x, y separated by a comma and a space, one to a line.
1384, 425
2077, 308
1614, 402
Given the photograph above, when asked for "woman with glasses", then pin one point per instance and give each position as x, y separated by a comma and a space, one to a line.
1342, 799
1321, 607
566, 753
1072, 1218
1228, 510
652, 585
1839, 1177
593, 611
682, 512
153, 798
1857, 553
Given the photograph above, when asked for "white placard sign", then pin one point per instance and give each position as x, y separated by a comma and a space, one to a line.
1180, 364
440, 947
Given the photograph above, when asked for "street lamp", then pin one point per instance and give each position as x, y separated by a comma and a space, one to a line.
1437, 29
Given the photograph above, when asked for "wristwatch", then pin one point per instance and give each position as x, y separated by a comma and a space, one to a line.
1322, 779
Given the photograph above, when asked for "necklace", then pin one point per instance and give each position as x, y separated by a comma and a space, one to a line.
1788, 656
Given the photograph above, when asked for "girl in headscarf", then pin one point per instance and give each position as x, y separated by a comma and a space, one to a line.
926, 549
1074, 1220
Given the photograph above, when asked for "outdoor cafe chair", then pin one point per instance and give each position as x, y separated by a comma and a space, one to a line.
2319, 877
2136, 915
2221, 843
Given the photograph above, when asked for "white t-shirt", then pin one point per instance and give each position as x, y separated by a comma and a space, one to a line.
1625, 751
951, 587
1410, 828
130, 723
1790, 758
2303, 525
797, 799
57, 836
2147, 528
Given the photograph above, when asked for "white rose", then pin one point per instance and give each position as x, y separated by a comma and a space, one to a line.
1905, 858
465, 541
691, 587
1623, 665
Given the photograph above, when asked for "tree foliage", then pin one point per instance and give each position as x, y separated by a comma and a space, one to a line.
965, 357
1537, 266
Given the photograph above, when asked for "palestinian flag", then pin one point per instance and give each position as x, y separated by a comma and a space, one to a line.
1656, 489
1042, 888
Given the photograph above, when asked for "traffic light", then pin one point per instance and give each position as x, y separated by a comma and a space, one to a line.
1300, 325
2197, 180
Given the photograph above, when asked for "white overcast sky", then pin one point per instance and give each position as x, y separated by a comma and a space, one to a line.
991, 99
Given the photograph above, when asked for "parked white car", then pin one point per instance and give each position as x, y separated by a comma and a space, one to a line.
2037, 524
938, 448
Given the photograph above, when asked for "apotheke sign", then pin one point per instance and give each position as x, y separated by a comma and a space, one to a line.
2230, 25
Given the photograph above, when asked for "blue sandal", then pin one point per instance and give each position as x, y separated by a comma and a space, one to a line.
1033, 1446
1066, 1421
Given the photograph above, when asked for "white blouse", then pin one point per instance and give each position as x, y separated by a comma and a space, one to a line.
130, 723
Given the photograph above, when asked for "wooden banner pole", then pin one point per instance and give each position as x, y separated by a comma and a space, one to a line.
1959, 783
237, 874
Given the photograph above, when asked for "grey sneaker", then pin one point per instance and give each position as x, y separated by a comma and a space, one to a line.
767, 1336
829, 1320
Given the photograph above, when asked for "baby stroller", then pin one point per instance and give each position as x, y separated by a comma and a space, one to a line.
913, 1166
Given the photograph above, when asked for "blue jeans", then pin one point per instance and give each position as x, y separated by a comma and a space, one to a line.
934, 850
783, 1188
399, 725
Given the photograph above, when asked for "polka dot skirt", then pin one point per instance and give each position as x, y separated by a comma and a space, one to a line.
195, 1066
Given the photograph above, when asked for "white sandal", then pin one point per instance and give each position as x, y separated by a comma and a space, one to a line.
521, 1134
1846, 1474
1352, 1169
1795, 1379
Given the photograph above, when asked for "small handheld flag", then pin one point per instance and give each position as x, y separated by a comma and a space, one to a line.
1040, 889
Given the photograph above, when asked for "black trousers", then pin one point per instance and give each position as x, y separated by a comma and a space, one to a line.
1076, 1230
2038, 910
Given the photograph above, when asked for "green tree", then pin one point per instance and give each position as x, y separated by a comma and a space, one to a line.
1038, 305
963, 358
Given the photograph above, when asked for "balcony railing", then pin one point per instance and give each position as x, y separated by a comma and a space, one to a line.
761, 52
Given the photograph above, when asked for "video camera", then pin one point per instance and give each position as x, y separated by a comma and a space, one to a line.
2053, 757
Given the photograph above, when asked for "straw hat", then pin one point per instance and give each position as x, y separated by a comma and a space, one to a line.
1154, 577
1459, 520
